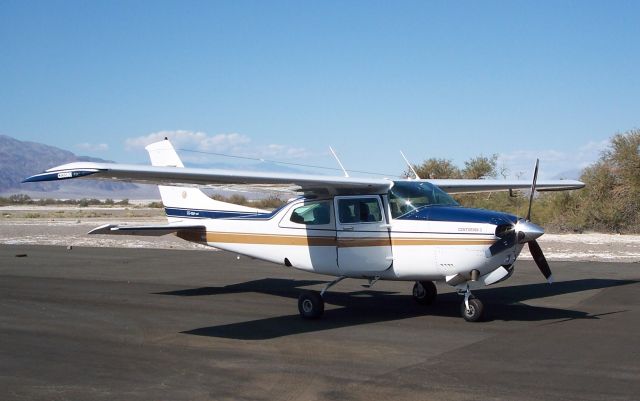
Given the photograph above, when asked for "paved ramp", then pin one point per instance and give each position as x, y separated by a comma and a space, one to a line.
131, 324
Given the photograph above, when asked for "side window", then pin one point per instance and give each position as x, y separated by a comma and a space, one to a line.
312, 214
359, 210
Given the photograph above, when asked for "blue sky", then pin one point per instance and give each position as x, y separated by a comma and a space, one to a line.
284, 80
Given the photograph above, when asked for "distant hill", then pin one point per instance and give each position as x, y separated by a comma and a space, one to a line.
20, 159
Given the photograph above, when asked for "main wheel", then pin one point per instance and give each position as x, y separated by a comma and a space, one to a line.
424, 292
310, 305
474, 313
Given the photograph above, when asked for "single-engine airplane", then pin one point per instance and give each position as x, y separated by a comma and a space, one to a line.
346, 227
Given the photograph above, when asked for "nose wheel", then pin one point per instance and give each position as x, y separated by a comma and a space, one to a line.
472, 312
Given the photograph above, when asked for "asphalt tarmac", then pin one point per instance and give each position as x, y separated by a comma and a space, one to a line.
136, 324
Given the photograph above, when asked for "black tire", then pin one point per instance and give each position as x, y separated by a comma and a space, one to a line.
424, 292
476, 309
310, 305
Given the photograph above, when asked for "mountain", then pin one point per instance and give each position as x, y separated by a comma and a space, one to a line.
20, 159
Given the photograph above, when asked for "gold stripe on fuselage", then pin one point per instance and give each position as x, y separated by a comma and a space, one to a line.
270, 239
362, 242
400, 241
354, 242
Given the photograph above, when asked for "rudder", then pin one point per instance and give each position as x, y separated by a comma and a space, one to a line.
163, 154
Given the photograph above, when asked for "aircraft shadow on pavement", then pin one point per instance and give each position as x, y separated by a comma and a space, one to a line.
367, 306
272, 286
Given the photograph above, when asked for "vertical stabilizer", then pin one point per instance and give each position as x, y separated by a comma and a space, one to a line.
176, 198
163, 154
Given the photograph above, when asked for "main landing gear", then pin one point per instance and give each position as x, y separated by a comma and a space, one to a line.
471, 308
311, 304
424, 292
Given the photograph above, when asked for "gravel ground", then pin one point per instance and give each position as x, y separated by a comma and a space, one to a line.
69, 226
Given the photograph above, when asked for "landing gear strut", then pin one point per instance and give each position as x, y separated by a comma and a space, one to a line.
471, 308
311, 304
424, 292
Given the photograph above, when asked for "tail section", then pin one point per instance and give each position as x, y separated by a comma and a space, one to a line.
188, 202
163, 154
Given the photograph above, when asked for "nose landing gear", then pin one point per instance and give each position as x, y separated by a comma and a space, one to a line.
471, 308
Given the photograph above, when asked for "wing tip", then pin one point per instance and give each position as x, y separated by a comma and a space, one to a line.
58, 175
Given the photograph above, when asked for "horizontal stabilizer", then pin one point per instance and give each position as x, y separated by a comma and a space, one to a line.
149, 230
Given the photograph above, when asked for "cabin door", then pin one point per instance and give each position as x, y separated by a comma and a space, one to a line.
364, 243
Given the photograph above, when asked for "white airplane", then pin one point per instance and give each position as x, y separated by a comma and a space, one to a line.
363, 228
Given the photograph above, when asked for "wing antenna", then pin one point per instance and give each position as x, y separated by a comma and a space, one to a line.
339, 162
410, 166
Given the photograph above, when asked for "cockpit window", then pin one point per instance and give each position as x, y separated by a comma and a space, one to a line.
406, 196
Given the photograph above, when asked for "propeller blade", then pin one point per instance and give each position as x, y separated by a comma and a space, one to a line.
508, 240
533, 188
540, 260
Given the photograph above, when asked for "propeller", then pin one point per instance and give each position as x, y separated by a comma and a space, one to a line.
524, 231
540, 260
533, 188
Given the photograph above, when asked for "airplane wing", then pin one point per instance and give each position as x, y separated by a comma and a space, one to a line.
310, 184
458, 186
182, 176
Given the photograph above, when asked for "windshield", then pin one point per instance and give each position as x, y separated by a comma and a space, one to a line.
406, 196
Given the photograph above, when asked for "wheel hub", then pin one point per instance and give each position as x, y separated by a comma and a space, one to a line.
307, 305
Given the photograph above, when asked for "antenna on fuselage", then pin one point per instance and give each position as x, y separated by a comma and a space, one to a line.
410, 166
339, 162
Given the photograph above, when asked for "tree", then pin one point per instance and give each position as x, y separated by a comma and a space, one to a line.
481, 167
611, 197
437, 168
21, 199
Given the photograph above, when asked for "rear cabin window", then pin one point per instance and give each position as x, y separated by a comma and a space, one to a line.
312, 214
363, 210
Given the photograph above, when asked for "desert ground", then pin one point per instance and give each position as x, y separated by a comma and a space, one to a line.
68, 226
116, 317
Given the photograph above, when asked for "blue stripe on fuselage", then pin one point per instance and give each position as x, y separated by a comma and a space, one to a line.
215, 214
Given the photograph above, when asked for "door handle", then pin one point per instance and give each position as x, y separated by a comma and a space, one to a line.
347, 228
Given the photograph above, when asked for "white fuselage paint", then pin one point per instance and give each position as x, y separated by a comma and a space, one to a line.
391, 249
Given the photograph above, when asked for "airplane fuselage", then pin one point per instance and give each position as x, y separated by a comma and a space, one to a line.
361, 236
